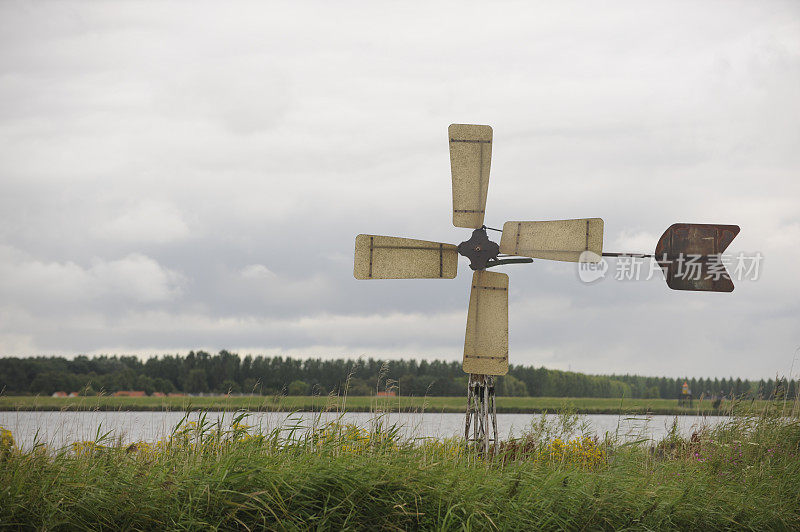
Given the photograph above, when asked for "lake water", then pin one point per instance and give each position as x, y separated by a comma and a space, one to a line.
62, 428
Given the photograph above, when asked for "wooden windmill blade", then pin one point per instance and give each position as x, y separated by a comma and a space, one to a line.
564, 240
388, 257
470, 162
486, 340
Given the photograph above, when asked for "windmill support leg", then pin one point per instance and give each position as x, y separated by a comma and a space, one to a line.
469, 411
481, 414
486, 417
494, 420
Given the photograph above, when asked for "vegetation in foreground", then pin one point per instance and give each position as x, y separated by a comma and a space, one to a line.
349, 403
744, 473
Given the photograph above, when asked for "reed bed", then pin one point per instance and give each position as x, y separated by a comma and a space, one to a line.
743, 473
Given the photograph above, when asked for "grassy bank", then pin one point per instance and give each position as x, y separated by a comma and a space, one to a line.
529, 405
745, 473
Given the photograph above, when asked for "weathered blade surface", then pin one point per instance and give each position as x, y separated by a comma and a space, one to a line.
388, 257
470, 161
486, 341
554, 240
691, 256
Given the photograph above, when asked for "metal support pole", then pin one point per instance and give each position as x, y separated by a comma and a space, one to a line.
469, 410
476, 425
481, 406
485, 416
634, 255
494, 418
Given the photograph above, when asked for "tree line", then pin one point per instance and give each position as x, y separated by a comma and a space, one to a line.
226, 372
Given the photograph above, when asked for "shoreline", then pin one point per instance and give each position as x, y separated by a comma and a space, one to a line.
445, 405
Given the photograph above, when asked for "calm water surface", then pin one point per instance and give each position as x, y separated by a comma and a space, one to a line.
62, 428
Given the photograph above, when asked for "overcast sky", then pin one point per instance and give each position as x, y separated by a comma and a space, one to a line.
178, 176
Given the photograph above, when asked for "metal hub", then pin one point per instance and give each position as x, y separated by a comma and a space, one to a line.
479, 249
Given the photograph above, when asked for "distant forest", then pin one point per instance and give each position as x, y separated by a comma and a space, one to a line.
225, 372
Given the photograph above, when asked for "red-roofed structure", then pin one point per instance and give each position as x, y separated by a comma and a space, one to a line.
129, 393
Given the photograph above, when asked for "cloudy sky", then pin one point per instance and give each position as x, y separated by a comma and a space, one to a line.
192, 175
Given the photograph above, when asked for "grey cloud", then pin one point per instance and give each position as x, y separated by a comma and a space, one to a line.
175, 179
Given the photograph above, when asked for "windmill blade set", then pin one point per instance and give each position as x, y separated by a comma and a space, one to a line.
578, 240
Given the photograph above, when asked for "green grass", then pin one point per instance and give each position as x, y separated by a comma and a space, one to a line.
581, 405
742, 474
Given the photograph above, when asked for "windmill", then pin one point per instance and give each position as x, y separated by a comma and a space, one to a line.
690, 256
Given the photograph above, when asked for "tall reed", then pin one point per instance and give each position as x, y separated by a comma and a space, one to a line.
224, 474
